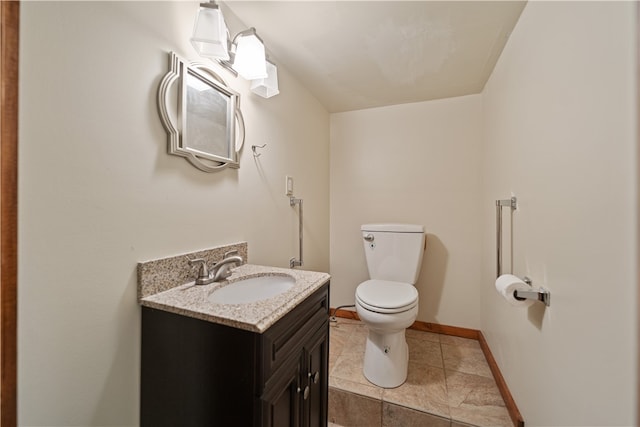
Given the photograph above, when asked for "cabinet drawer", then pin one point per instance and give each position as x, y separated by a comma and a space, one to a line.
285, 336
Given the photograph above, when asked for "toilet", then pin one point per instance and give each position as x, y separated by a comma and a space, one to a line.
388, 302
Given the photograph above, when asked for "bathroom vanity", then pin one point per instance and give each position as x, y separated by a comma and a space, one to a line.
263, 363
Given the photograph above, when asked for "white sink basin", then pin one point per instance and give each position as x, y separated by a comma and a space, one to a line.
252, 289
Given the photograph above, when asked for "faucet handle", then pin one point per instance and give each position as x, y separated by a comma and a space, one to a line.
233, 252
203, 272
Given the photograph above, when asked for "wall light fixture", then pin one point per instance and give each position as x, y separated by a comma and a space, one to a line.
248, 56
244, 55
210, 34
268, 86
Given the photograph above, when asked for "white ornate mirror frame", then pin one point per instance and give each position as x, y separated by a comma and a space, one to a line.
201, 115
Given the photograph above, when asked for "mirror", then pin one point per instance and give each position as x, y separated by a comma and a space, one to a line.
201, 115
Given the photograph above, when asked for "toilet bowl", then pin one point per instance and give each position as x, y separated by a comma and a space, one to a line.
388, 302
386, 353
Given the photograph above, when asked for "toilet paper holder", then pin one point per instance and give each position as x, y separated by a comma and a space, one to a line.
539, 294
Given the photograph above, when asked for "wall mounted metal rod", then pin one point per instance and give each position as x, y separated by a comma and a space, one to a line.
293, 262
513, 204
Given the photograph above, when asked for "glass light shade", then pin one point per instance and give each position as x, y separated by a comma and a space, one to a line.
250, 61
210, 34
267, 87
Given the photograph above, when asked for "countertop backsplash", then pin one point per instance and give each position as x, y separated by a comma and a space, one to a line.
163, 274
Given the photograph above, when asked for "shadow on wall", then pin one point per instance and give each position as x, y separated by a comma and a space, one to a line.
535, 314
432, 276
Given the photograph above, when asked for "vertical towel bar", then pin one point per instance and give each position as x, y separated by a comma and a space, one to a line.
512, 203
293, 262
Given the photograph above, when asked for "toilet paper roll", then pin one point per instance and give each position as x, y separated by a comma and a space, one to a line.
507, 284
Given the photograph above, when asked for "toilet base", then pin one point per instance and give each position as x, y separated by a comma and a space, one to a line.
386, 359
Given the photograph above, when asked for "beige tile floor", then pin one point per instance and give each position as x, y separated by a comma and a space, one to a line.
449, 384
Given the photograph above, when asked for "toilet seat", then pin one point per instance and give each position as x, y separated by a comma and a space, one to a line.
385, 296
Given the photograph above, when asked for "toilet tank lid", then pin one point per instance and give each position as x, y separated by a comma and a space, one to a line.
394, 228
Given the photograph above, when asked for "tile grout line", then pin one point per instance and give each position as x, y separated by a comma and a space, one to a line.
446, 385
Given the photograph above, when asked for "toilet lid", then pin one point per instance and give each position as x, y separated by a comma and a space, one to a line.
387, 295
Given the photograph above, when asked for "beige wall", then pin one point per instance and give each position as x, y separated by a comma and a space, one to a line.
560, 119
98, 193
412, 163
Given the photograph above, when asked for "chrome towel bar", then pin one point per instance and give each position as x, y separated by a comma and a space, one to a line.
293, 262
511, 203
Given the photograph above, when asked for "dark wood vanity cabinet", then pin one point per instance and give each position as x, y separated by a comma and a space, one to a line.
198, 373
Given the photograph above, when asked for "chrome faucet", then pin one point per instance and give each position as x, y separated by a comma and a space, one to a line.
218, 271
221, 269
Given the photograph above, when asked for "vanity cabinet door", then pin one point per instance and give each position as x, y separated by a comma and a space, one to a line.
295, 357
281, 399
317, 356
297, 393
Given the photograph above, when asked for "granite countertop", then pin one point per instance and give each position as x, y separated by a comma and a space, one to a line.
191, 300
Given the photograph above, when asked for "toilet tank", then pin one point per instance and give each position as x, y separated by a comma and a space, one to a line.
393, 251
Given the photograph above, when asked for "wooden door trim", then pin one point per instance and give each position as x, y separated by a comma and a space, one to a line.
9, 50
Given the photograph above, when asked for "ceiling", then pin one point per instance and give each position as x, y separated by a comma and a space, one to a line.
360, 54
